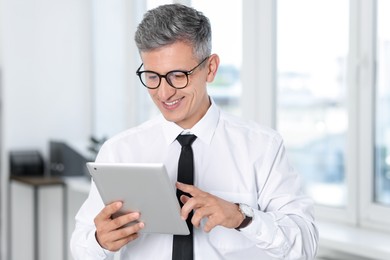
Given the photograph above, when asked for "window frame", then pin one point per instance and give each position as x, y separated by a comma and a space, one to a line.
259, 66
372, 215
259, 61
260, 53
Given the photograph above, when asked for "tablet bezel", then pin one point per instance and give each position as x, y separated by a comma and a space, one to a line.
142, 187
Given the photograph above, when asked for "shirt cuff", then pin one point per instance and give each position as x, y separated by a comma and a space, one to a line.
262, 228
95, 248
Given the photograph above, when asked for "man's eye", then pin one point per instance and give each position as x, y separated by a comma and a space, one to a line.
177, 76
180, 76
151, 77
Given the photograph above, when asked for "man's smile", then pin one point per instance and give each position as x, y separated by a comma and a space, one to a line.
172, 104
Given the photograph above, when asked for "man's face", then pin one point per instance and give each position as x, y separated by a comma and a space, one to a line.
186, 106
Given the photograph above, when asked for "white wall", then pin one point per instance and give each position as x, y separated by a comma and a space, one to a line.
117, 90
45, 64
46, 81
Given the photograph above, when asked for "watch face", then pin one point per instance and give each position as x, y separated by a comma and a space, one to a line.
248, 211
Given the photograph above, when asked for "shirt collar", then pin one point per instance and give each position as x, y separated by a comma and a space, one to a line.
204, 129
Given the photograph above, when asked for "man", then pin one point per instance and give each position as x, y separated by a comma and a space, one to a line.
246, 200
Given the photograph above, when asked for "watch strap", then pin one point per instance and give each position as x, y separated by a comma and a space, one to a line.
247, 219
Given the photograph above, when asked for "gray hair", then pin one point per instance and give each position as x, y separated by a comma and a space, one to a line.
171, 23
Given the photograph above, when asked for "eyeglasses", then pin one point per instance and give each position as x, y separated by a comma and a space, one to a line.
177, 79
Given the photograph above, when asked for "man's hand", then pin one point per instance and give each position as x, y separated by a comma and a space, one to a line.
218, 211
110, 233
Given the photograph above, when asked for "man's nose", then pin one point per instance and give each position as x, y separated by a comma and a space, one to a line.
165, 91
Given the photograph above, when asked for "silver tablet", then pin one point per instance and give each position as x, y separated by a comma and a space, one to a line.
145, 188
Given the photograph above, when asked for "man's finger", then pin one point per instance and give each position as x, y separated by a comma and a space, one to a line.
190, 189
123, 236
124, 219
191, 204
110, 209
184, 199
200, 213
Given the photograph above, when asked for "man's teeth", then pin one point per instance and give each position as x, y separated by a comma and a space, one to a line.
171, 103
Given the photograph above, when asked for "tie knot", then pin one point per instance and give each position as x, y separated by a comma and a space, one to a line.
186, 140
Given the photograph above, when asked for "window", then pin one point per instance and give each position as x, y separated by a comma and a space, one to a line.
382, 98
227, 43
311, 108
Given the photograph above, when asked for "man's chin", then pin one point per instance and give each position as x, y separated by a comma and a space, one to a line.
171, 118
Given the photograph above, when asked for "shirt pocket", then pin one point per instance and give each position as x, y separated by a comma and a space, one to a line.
227, 240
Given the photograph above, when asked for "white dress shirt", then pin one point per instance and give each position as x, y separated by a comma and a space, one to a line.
234, 159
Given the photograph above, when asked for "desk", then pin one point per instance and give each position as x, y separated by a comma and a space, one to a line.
42, 199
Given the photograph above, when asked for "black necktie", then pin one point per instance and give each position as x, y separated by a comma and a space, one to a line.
183, 245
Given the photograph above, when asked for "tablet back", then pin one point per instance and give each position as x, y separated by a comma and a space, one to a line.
145, 188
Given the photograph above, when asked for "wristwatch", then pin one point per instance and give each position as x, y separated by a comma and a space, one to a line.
248, 214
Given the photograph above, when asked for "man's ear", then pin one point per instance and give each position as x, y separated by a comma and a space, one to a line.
212, 67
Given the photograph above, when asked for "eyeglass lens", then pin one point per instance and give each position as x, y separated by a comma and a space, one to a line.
176, 79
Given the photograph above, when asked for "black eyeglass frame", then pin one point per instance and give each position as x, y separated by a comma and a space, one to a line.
185, 72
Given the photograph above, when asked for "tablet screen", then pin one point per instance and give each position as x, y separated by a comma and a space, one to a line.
145, 188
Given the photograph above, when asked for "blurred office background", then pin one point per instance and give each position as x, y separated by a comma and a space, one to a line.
318, 71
